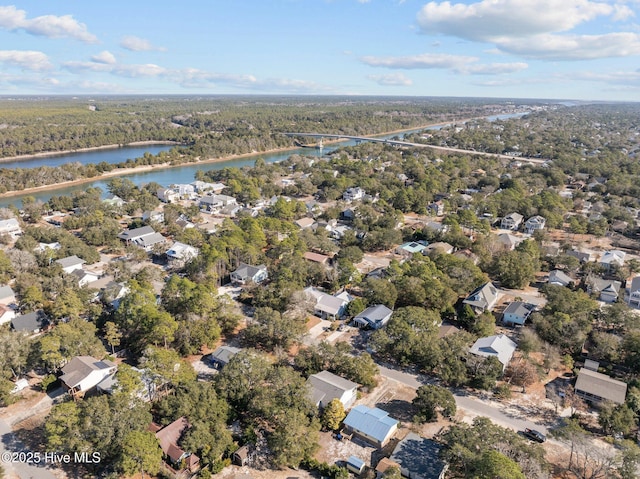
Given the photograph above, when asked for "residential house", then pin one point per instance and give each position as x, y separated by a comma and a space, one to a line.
114, 201
436, 208
499, 346
509, 242
155, 216
483, 298
511, 221
222, 355
436, 227
559, 278
203, 186
533, 224
582, 256
34, 322
43, 247
411, 248
353, 194
326, 386
214, 203
85, 277
634, 293
148, 242
230, 210
322, 259
347, 215
467, 254
375, 317
370, 424
83, 373
249, 274
607, 290
339, 231
6, 314
168, 437
445, 330
181, 253
439, 247
187, 191
7, 296
419, 458
168, 195
70, 264
596, 387
612, 259
517, 313
304, 223
10, 227
328, 306
130, 236
184, 223
146, 391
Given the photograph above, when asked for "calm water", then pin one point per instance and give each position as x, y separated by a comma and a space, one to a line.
186, 173
111, 155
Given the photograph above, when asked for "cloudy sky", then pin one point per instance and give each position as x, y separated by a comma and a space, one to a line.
561, 49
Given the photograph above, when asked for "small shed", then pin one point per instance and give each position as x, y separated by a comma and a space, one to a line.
241, 456
355, 465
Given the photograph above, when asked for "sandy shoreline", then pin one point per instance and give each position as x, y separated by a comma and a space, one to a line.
46, 154
140, 169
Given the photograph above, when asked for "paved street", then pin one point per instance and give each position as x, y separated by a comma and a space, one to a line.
469, 404
9, 442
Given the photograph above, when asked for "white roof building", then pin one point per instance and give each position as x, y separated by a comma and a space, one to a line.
499, 346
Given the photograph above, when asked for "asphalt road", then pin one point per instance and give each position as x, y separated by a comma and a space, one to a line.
466, 402
15, 465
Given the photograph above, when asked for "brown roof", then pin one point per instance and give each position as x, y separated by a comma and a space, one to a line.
384, 464
170, 435
316, 257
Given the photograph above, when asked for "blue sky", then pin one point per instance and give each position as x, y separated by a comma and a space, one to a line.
561, 49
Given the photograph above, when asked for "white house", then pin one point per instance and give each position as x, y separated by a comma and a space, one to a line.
10, 227
6, 314
130, 236
607, 290
499, 346
375, 317
181, 252
509, 242
84, 372
328, 306
249, 274
85, 277
326, 386
634, 293
512, 221
7, 296
70, 264
371, 424
559, 278
147, 242
353, 194
167, 195
516, 313
483, 298
534, 224
612, 259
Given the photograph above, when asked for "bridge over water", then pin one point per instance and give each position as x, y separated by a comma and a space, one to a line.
358, 139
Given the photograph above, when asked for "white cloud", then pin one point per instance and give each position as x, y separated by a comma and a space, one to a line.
50, 26
392, 79
490, 19
456, 63
628, 78
573, 47
25, 59
104, 57
137, 44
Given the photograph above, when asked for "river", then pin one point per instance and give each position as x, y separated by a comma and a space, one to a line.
186, 173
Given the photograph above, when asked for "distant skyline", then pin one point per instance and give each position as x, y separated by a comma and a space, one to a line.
555, 49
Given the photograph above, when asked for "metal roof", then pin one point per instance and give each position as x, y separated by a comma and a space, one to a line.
372, 422
601, 385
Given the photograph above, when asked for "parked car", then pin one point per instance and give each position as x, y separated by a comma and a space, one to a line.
534, 435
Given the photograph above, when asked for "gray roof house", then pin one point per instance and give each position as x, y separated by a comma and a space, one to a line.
483, 298
326, 386
634, 293
534, 224
147, 242
85, 372
371, 424
221, 356
516, 313
597, 387
499, 346
328, 306
608, 290
419, 458
7, 296
560, 278
249, 274
375, 316
182, 253
512, 221
70, 264
30, 322
137, 233
612, 258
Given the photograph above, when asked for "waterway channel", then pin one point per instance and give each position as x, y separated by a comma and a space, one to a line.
186, 173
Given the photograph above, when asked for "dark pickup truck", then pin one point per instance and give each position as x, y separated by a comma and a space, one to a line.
534, 435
